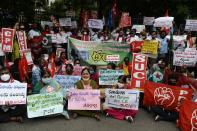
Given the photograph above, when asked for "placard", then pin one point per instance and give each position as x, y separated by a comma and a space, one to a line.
148, 20
28, 56
84, 100
122, 98
112, 58
21, 36
125, 20
109, 77
13, 93
150, 47
191, 25
44, 23
65, 22
44, 104
163, 22
7, 38
95, 23
139, 28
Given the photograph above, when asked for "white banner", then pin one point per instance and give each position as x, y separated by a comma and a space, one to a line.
95, 23
163, 22
148, 20
44, 104
43, 23
139, 28
122, 98
191, 25
188, 58
65, 22
109, 77
13, 93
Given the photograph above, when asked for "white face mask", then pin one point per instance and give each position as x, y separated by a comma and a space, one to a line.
127, 33
5, 77
85, 33
86, 79
46, 80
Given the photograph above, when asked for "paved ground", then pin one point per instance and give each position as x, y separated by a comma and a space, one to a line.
143, 122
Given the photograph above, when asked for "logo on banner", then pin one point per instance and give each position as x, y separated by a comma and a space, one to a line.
164, 96
194, 120
98, 56
157, 76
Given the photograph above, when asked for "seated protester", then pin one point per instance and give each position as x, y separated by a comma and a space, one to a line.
10, 112
94, 75
126, 66
48, 85
116, 113
62, 60
87, 84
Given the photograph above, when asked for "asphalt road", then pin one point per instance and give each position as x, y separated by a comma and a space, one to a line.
143, 122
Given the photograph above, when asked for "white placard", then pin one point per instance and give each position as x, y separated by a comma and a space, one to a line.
148, 20
95, 23
163, 22
65, 22
191, 25
139, 28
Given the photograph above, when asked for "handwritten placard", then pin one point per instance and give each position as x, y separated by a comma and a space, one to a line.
13, 93
65, 22
84, 100
44, 104
109, 77
122, 98
95, 23
191, 25
139, 28
187, 58
148, 20
150, 47
163, 22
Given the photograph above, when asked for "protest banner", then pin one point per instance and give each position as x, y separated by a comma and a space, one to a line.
109, 77
84, 100
95, 23
94, 53
112, 58
191, 25
44, 23
7, 38
188, 116
150, 47
21, 35
44, 104
148, 20
187, 58
28, 56
166, 96
139, 28
13, 93
65, 21
122, 98
125, 20
163, 22
138, 73
67, 82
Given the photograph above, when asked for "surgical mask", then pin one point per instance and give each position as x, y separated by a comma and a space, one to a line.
46, 80
127, 33
86, 79
5, 77
120, 85
85, 33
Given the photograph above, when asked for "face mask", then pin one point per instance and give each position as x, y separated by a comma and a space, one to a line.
86, 79
91, 72
127, 33
46, 80
120, 85
5, 77
85, 33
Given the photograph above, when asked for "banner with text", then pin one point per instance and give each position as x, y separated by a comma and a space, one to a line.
95, 53
13, 93
44, 104
109, 77
65, 22
7, 38
21, 35
163, 22
84, 100
122, 98
148, 20
191, 25
150, 47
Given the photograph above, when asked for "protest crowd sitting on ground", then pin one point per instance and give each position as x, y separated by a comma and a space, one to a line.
92, 70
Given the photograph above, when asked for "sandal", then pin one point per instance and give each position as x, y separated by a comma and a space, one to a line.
97, 117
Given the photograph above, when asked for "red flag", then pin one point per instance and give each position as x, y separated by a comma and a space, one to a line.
136, 46
23, 68
115, 11
166, 96
188, 116
138, 73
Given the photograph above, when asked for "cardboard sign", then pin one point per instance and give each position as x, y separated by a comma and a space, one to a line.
150, 47
74, 24
14, 93
187, 58
84, 100
112, 58
7, 38
125, 20
28, 56
65, 22
109, 77
163, 22
44, 23
67, 82
139, 28
59, 51
138, 73
21, 35
148, 20
122, 98
95, 23
191, 25
44, 104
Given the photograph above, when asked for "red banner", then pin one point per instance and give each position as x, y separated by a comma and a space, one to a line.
7, 39
138, 73
188, 116
125, 20
136, 46
166, 96
22, 40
